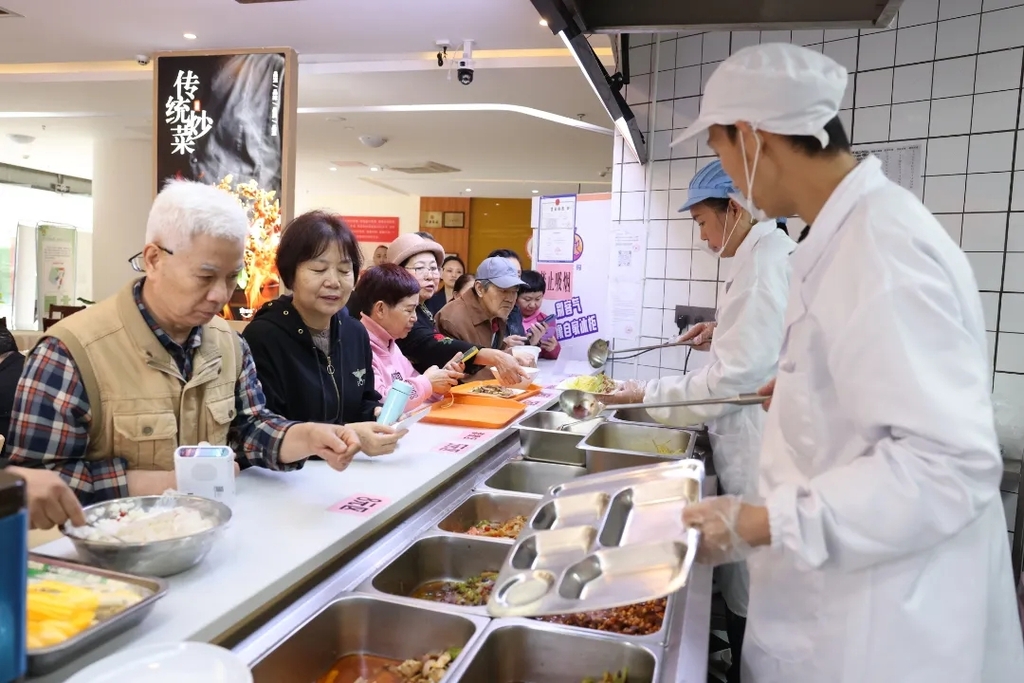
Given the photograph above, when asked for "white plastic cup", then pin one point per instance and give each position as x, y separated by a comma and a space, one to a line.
526, 355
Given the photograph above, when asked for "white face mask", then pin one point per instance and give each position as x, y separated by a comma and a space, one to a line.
729, 231
749, 172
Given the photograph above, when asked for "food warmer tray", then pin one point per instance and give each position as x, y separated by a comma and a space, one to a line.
603, 541
47, 660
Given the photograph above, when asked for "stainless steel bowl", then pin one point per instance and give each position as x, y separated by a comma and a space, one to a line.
158, 558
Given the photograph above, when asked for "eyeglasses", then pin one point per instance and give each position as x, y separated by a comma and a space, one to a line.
419, 270
136, 261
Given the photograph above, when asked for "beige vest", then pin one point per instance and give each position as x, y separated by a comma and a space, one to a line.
141, 408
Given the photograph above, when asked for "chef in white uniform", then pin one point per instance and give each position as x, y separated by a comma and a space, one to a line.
878, 550
743, 353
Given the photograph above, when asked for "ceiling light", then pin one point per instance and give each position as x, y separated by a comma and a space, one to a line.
333, 168
543, 22
190, 36
375, 168
536, 191
468, 190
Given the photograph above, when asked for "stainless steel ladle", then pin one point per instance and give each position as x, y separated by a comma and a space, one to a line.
584, 406
599, 352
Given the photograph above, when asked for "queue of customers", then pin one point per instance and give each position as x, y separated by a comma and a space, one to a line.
107, 394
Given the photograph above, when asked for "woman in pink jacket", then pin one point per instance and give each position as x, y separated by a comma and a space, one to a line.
386, 297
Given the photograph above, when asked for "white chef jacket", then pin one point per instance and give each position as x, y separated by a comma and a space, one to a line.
744, 355
880, 466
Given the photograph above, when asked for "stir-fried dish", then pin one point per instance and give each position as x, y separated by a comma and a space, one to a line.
473, 592
592, 384
494, 390
508, 529
641, 619
609, 677
363, 668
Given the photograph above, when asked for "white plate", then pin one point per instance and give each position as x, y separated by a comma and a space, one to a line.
167, 663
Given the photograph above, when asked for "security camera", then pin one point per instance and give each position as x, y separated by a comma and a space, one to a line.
465, 71
142, 60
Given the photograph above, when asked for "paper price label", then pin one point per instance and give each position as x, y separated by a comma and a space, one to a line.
361, 504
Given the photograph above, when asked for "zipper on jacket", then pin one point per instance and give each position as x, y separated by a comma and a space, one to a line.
334, 383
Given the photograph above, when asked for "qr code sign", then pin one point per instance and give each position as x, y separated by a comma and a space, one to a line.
625, 258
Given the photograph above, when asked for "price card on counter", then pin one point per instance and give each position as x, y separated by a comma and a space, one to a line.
476, 435
452, 447
361, 504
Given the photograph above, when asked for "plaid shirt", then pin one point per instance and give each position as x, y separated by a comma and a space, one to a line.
51, 416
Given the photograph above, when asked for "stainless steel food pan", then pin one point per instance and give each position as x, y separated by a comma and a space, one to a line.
356, 623
515, 650
543, 441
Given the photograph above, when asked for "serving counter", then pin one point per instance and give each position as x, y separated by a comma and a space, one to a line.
299, 539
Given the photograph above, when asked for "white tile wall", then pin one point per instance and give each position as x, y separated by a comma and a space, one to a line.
949, 74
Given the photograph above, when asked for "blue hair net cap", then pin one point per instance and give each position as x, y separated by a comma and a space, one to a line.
711, 182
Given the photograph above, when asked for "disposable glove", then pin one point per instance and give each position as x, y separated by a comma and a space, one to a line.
726, 533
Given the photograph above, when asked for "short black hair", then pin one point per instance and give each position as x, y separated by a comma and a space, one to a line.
453, 257
308, 236
505, 253
838, 140
464, 279
388, 282
7, 341
426, 235
532, 282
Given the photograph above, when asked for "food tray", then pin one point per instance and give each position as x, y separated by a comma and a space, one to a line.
519, 394
470, 410
46, 660
602, 541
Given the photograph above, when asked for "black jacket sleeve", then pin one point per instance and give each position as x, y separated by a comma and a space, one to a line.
425, 346
264, 355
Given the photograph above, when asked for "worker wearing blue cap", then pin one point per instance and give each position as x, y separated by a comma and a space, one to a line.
747, 338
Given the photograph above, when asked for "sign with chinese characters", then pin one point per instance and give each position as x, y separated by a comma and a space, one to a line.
378, 229
361, 504
556, 235
227, 118
56, 257
431, 219
573, 321
452, 447
558, 278
902, 162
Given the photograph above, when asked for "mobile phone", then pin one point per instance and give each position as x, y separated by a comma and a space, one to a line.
409, 419
550, 319
468, 355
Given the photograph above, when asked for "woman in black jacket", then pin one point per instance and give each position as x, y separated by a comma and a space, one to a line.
313, 360
425, 346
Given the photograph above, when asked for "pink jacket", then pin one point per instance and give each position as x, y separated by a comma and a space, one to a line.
538, 316
389, 364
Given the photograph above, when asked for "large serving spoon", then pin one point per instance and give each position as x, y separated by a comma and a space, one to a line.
599, 351
584, 406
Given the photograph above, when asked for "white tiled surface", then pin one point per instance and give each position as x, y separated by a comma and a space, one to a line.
950, 74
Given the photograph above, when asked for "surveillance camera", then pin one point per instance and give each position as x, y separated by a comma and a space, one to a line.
465, 72
142, 60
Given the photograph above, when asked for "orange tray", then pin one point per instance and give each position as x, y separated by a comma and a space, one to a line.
471, 410
468, 387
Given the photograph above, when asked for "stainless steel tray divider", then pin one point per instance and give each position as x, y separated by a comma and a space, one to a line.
601, 541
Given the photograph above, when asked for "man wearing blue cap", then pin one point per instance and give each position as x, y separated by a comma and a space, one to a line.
744, 353
480, 316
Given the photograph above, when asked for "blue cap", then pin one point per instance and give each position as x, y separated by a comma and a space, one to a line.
500, 271
711, 182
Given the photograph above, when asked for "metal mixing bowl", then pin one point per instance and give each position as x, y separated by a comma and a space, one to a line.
158, 558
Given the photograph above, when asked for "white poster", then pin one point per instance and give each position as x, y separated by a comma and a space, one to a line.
55, 267
578, 285
626, 265
902, 162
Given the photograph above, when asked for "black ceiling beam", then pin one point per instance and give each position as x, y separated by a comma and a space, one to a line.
644, 16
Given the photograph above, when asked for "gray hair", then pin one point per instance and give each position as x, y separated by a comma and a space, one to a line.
185, 209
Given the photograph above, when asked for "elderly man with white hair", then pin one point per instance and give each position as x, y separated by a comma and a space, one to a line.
109, 393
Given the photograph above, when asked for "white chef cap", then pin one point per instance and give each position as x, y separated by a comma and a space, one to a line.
776, 87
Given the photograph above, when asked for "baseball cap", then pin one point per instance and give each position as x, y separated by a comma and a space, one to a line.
775, 87
498, 270
711, 182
